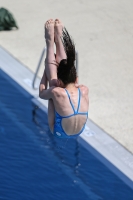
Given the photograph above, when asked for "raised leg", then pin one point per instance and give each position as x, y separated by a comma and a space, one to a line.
60, 52
50, 67
53, 32
50, 62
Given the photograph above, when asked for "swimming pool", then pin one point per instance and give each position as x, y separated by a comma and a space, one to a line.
35, 165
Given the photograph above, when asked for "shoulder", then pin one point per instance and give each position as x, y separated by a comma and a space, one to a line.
58, 91
84, 89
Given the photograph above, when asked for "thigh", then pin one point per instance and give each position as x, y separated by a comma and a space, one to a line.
51, 115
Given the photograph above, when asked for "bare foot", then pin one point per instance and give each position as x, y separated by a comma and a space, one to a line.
58, 30
49, 30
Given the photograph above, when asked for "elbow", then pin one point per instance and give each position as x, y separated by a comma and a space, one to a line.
40, 95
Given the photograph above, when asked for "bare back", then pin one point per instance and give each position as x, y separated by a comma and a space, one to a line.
72, 124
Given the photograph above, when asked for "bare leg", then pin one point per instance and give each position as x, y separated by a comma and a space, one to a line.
60, 52
50, 68
50, 63
51, 110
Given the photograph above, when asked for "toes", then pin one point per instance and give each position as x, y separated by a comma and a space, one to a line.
52, 21
57, 21
48, 22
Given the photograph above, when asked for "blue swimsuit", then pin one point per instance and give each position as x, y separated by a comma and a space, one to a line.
58, 129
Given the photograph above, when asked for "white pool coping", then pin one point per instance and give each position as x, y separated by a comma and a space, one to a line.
118, 159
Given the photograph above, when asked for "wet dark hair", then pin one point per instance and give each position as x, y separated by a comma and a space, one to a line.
66, 70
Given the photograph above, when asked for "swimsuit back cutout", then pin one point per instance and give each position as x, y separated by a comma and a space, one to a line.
58, 129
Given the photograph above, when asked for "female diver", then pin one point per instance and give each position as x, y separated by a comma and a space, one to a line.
68, 103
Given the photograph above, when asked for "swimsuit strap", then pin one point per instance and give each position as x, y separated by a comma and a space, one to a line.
75, 111
78, 100
70, 100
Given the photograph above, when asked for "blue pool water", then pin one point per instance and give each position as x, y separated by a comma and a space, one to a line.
35, 165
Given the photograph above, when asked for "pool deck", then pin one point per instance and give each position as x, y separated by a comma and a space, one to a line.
94, 139
102, 31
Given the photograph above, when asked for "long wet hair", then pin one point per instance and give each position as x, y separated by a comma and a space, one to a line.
66, 71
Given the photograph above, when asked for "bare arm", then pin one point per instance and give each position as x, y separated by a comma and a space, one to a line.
45, 93
43, 83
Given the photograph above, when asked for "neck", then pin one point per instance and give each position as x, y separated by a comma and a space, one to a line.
70, 86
